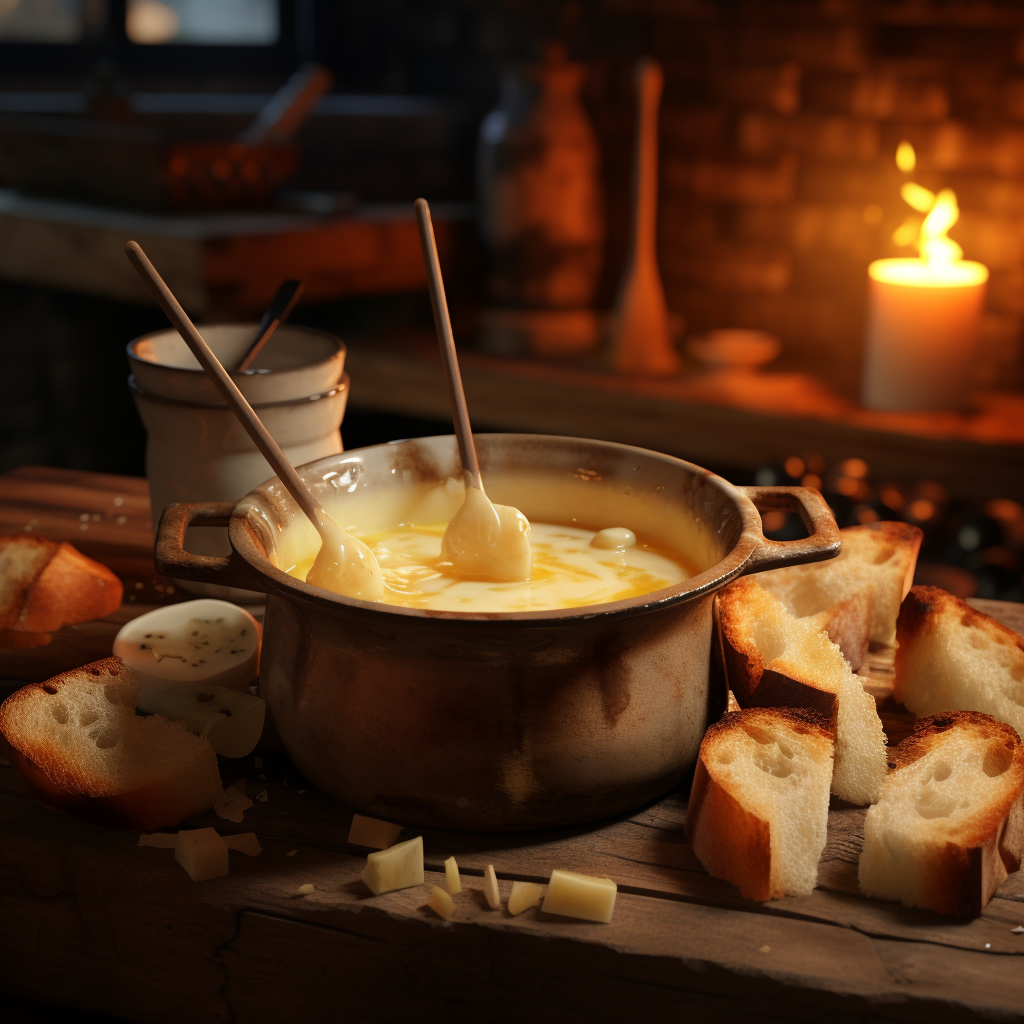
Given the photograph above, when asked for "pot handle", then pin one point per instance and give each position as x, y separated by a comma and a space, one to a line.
823, 540
173, 560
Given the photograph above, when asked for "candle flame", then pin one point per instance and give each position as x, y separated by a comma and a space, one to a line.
942, 212
906, 158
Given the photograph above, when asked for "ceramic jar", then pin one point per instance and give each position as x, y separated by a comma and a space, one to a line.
196, 450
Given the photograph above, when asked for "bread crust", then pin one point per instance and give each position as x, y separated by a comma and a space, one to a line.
754, 685
730, 841
961, 877
71, 588
22, 561
924, 605
62, 784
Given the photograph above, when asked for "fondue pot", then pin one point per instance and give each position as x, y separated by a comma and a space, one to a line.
496, 721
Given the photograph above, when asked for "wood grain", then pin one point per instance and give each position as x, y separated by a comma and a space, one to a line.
93, 921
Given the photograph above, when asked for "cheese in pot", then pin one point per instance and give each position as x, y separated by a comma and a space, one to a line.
572, 566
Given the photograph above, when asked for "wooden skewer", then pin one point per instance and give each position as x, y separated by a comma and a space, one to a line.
226, 386
456, 395
277, 312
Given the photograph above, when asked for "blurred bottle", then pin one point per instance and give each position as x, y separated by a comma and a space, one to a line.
540, 213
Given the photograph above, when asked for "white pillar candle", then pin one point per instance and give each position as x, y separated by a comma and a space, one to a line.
922, 333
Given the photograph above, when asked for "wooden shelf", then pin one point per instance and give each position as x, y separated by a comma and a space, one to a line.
708, 420
218, 264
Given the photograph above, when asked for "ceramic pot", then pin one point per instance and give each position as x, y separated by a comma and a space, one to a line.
499, 721
198, 451
296, 362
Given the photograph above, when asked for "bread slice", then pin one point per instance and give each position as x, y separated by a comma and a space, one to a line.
854, 597
758, 808
22, 558
78, 746
44, 586
71, 588
950, 824
775, 659
951, 657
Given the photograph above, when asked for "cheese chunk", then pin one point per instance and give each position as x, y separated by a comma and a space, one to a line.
373, 832
614, 538
491, 893
244, 842
395, 868
202, 853
441, 903
451, 876
583, 896
232, 722
161, 840
202, 643
523, 896
235, 802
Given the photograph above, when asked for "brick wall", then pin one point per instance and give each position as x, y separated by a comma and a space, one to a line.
779, 130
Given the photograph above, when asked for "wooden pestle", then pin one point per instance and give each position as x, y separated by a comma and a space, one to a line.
641, 341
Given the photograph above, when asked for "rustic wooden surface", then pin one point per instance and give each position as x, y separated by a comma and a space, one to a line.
979, 456
95, 922
220, 264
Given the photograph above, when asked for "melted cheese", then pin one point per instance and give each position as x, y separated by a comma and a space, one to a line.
567, 571
488, 541
345, 565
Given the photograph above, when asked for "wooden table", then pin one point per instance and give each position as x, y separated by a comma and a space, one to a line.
93, 921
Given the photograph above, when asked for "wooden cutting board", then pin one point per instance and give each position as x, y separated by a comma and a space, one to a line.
106, 517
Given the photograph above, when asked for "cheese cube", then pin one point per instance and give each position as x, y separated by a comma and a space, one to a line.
202, 853
524, 895
491, 893
583, 896
373, 832
451, 876
441, 903
395, 868
244, 842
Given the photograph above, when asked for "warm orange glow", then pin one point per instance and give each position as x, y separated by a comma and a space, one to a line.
811, 480
906, 158
852, 488
794, 466
922, 274
1004, 509
892, 498
854, 467
921, 509
866, 514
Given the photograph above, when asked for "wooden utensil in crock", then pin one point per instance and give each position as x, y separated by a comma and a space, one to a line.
500, 721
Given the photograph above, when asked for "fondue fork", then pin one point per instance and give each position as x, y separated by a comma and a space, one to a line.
446, 342
344, 563
483, 539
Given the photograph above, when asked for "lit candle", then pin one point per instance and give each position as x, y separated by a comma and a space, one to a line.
923, 314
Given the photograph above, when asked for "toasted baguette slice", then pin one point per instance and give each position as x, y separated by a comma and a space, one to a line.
44, 586
951, 657
22, 559
854, 597
759, 804
774, 659
72, 588
950, 824
78, 746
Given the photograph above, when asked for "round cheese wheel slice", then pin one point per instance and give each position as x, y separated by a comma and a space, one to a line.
204, 643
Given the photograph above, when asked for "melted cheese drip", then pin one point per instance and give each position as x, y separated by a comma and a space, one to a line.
488, 541
345, 565
567, 571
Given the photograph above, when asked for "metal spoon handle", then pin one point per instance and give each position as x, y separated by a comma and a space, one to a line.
277, 312
457, 397
226, 386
